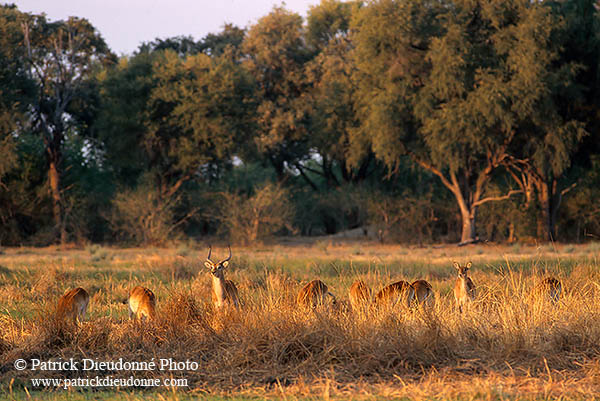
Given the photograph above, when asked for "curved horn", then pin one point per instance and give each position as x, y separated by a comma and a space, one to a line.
209, 251
229, 255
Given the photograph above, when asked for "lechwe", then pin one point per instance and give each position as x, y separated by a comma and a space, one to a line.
314, 294
464, 289
73, 305
423, 292
392, 294
360, 295
549, 289
142, 303
224, 292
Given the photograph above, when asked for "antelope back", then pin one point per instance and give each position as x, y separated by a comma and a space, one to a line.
312, 294
394, 293
359, 294
73, 304
423, 292
142, 303
550, 289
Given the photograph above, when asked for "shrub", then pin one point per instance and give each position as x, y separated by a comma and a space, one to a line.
143, 217
248, 218
402, 218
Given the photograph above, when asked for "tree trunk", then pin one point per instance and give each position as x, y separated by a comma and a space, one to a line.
469, 192
279, 166
467, 214
55, 190
549, 201
545, 230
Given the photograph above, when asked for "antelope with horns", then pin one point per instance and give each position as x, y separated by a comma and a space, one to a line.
224, 291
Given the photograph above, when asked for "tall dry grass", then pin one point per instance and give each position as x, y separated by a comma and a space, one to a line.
509, 337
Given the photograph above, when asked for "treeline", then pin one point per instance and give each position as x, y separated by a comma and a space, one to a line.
418, 121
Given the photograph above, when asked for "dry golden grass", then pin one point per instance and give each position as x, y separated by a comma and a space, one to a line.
509, 344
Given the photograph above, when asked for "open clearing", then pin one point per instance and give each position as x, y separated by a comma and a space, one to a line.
510, 344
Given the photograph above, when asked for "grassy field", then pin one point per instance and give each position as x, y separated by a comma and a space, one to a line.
510, 344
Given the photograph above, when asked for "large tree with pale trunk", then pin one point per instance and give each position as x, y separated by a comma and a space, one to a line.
449, 85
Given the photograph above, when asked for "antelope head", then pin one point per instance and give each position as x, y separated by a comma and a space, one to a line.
216, 268
462, 270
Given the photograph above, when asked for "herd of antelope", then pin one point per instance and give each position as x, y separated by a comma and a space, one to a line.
142, 302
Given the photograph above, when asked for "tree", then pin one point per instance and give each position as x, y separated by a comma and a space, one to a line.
277, 54
168, 120
182, 45
552, 134
15, 87
199, 115
121, 123
215, 44
60, 57
332, 114
448, 84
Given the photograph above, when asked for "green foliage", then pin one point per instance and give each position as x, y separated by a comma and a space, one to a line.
328, 21
229, 39
362, 114
199, 111
181, 45
331, 111
331, 211
15, 87
276, 56
121, 123
24, 206
580, 217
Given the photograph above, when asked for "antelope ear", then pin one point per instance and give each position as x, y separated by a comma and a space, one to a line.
456, 265
208, 264
469, 265
225, 264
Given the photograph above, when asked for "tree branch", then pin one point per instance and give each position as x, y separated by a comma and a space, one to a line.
312, 170
434, 170
568, 189
303, 174
497, 198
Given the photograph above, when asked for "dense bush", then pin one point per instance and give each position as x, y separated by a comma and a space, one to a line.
248, 218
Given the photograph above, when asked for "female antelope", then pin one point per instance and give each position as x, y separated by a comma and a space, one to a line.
314, 294
224, 292
550, 289
423, 292
464, 289
393, 293
360, 295
73, 304
142, 303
